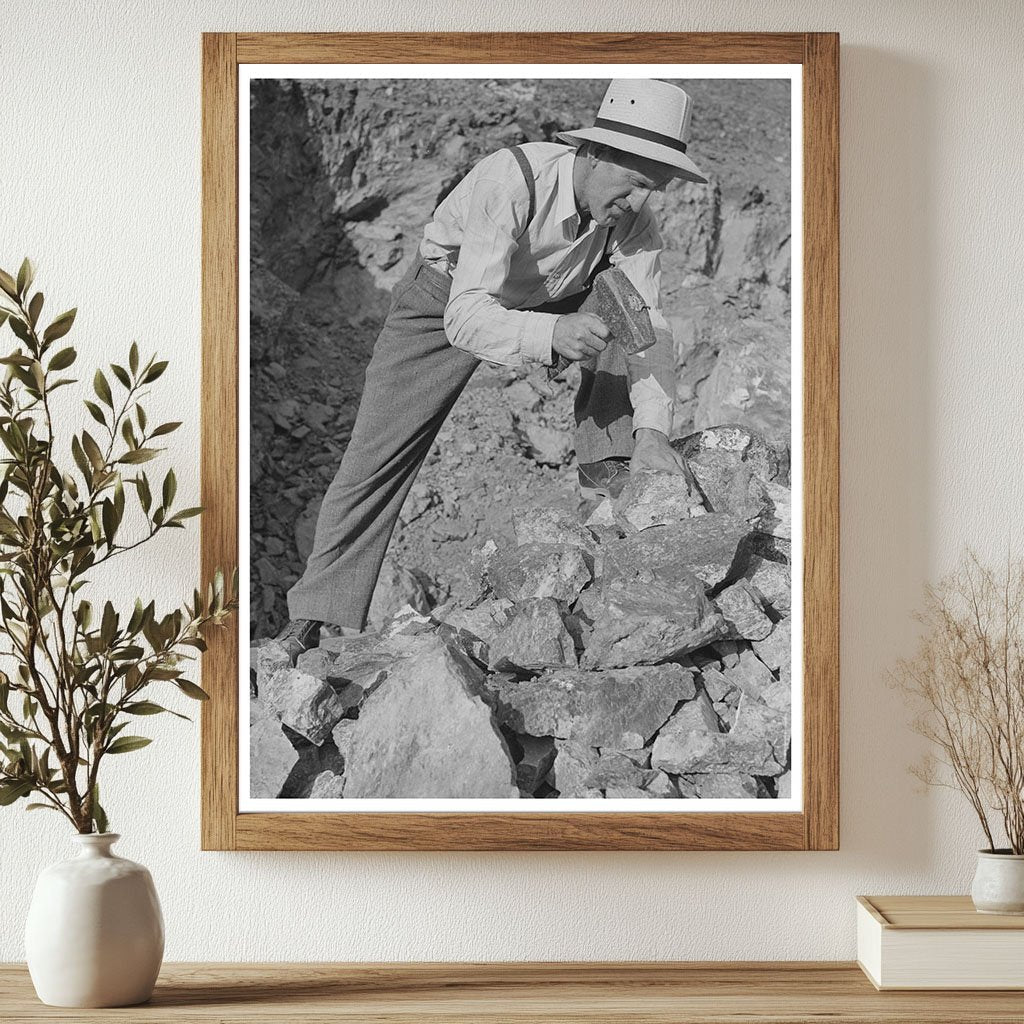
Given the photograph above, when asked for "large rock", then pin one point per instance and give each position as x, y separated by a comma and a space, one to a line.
741, 605
621, 708
475, 628
270, 657
773, 582
550, 526
686, 735
643, 623
750, 384
708, 547
690, 744
756, 680
304, 703
396, 587
271, 754
776, 649
727, 786
775, 517
427, 734
613, 770
539, 570
728, 447
655, 499
327, 786
538, 755
534, 639
572, 766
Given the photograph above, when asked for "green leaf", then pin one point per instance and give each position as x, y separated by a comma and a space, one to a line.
34, 308
145, 498
185, 513
125, 744
128, 433
63, 359
108, 626
170, 487
99, 816
109, 521
154, 372
60, 326
140, 415
121, 374
26, 273
133, 358
191, 690
92, 449
8, 284
102, 388
95, 412
41, 807
20, 329
11, 791
147, 707
138, 455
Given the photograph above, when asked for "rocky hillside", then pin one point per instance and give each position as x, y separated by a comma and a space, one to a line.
344, 175
642, 655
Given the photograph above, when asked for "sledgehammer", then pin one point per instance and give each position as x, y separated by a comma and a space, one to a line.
616, 301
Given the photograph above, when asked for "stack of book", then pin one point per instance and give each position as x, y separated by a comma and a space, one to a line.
938, 942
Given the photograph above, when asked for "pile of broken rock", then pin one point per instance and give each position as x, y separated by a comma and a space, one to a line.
643, 654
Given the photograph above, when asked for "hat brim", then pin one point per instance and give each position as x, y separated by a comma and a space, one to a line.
683, 166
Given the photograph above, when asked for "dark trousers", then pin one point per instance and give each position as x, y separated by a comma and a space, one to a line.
413, 379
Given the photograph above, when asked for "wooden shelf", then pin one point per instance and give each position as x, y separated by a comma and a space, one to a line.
522, 993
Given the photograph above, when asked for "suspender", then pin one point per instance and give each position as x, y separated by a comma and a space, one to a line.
531, 185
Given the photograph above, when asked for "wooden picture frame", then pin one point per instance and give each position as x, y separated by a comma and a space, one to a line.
816, 825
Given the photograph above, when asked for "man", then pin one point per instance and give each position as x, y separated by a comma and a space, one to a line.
504, 264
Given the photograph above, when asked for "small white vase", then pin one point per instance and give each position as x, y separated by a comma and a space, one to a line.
95, 933
999, 882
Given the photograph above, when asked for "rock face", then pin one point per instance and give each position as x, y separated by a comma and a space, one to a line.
620, 709
534, 639
396, 588
428, 734
539, 570
645, 655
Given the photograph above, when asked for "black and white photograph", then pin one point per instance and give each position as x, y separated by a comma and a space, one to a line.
520, 487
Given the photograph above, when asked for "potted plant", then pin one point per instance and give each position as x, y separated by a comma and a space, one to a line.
82, 672
967, 682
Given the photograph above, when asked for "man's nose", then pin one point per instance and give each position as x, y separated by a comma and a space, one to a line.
637, 198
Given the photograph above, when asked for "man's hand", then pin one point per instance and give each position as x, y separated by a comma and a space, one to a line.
653, 454
579, 336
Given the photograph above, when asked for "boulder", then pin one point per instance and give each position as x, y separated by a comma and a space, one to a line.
538, 756
327, 786
687, 734
304, 703
708, 547
427, 734
271, 755
270, 657
775, 649
396, 588
729, 447
750, 384
772, 581
475, 628
616, 770
643, 623
740, 604
661, 785
756, 680
757, 727
534, 639
728, 786
539, 570
774, 518
621, 708
550, 526
655, 499
571, 768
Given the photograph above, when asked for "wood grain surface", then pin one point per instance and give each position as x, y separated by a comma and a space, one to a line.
524, 993
817, 826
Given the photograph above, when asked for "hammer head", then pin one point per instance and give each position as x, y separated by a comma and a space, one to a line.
617, 302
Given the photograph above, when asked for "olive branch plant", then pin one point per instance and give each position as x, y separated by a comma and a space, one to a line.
966, 681
80, 674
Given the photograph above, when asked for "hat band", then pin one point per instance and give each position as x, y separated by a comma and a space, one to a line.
640, 133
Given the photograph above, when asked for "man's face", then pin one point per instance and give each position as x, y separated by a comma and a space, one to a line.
619, 183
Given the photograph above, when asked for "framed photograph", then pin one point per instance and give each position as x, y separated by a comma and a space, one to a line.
520, 420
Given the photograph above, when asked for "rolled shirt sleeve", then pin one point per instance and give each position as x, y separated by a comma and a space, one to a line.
475, 318
651, 373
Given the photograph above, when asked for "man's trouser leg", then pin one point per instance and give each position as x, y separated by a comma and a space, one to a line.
412, 381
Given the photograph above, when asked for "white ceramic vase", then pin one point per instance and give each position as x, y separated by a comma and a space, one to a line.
999, 883
95, 933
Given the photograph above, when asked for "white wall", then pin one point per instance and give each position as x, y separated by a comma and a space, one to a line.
100, 183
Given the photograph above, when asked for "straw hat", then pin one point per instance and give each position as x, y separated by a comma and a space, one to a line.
647, 118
